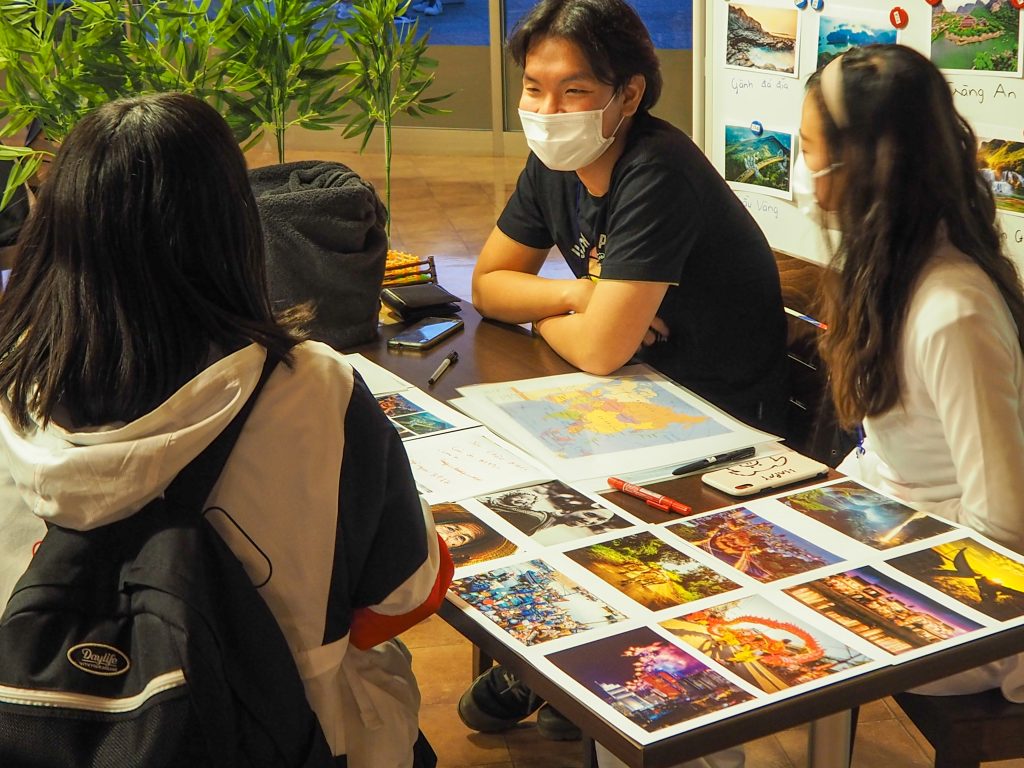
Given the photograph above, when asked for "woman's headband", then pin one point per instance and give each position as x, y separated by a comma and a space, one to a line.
832, 92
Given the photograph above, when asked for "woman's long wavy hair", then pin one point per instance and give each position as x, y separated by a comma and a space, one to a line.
143, 255
909, 172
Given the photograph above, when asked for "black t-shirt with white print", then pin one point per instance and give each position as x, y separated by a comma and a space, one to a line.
669, 217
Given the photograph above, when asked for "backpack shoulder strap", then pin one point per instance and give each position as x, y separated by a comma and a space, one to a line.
195, 482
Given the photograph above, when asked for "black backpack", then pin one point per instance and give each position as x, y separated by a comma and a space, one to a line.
144, 643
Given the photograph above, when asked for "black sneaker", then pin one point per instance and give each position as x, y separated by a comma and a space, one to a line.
554, 726
497, 701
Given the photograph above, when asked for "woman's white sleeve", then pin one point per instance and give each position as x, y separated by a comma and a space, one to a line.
971, 369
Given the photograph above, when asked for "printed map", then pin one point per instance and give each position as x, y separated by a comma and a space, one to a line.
608, 416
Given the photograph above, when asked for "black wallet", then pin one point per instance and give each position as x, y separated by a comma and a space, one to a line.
420, 300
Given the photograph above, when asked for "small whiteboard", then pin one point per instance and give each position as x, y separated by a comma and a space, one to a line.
757, 58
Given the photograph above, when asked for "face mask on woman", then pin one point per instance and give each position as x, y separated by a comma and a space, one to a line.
568, 141
803, 193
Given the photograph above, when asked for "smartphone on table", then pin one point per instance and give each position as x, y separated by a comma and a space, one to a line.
764, 473
426, 333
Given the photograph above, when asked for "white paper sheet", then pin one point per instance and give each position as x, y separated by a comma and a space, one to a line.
584, 426
457, 465
379, 379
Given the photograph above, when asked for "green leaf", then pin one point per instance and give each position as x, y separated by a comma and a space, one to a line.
25, 164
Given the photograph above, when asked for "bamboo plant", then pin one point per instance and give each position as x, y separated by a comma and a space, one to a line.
391, 73
278, 59
182, 45
25, 162
263, 63
58, 63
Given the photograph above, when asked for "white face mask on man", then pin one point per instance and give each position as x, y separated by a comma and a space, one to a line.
803, 193
568, 141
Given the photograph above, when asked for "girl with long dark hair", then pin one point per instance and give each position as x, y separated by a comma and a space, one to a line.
924, 308
135, 326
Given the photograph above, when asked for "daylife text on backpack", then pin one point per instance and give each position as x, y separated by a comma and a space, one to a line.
143, 644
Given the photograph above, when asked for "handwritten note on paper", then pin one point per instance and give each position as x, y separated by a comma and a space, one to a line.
458, 465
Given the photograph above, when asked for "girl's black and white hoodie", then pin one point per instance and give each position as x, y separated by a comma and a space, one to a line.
318, 480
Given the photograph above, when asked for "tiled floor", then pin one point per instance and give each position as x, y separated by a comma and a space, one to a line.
447, 207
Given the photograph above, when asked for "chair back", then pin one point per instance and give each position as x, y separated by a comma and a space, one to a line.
811, 423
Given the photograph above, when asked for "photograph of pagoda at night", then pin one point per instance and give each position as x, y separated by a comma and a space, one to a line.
648, 679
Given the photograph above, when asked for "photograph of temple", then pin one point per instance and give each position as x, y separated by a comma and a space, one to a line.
884, 612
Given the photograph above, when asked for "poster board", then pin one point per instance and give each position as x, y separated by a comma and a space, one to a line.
756, 71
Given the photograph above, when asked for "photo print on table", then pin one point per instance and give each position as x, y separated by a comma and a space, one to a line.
409, 418
763, 38
759, 162
534, 603
1001, 162
886, 613
647, 679
763, 644
403, 433
977, 37
866, 516
552, 512
972, 574
651, 572
395, 404
840, 29
469, 539
753, 545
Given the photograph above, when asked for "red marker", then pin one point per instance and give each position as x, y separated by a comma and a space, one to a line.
652, 499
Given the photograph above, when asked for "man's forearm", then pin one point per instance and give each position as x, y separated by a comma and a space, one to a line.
518, 297
603, 335
574, 339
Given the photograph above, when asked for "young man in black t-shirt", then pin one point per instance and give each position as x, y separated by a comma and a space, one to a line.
670, 266
687, 281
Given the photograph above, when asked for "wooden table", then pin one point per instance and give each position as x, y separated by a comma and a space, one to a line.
494, 352
488, 352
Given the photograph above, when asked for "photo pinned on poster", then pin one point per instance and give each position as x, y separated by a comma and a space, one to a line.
759, 161
887, 613
865, 515
533, 603
753, 545
651, 572
651, 682
763, 37
980, 38
553, 512
763, 644
842, 28
1001, 163
468, 538
971, 573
